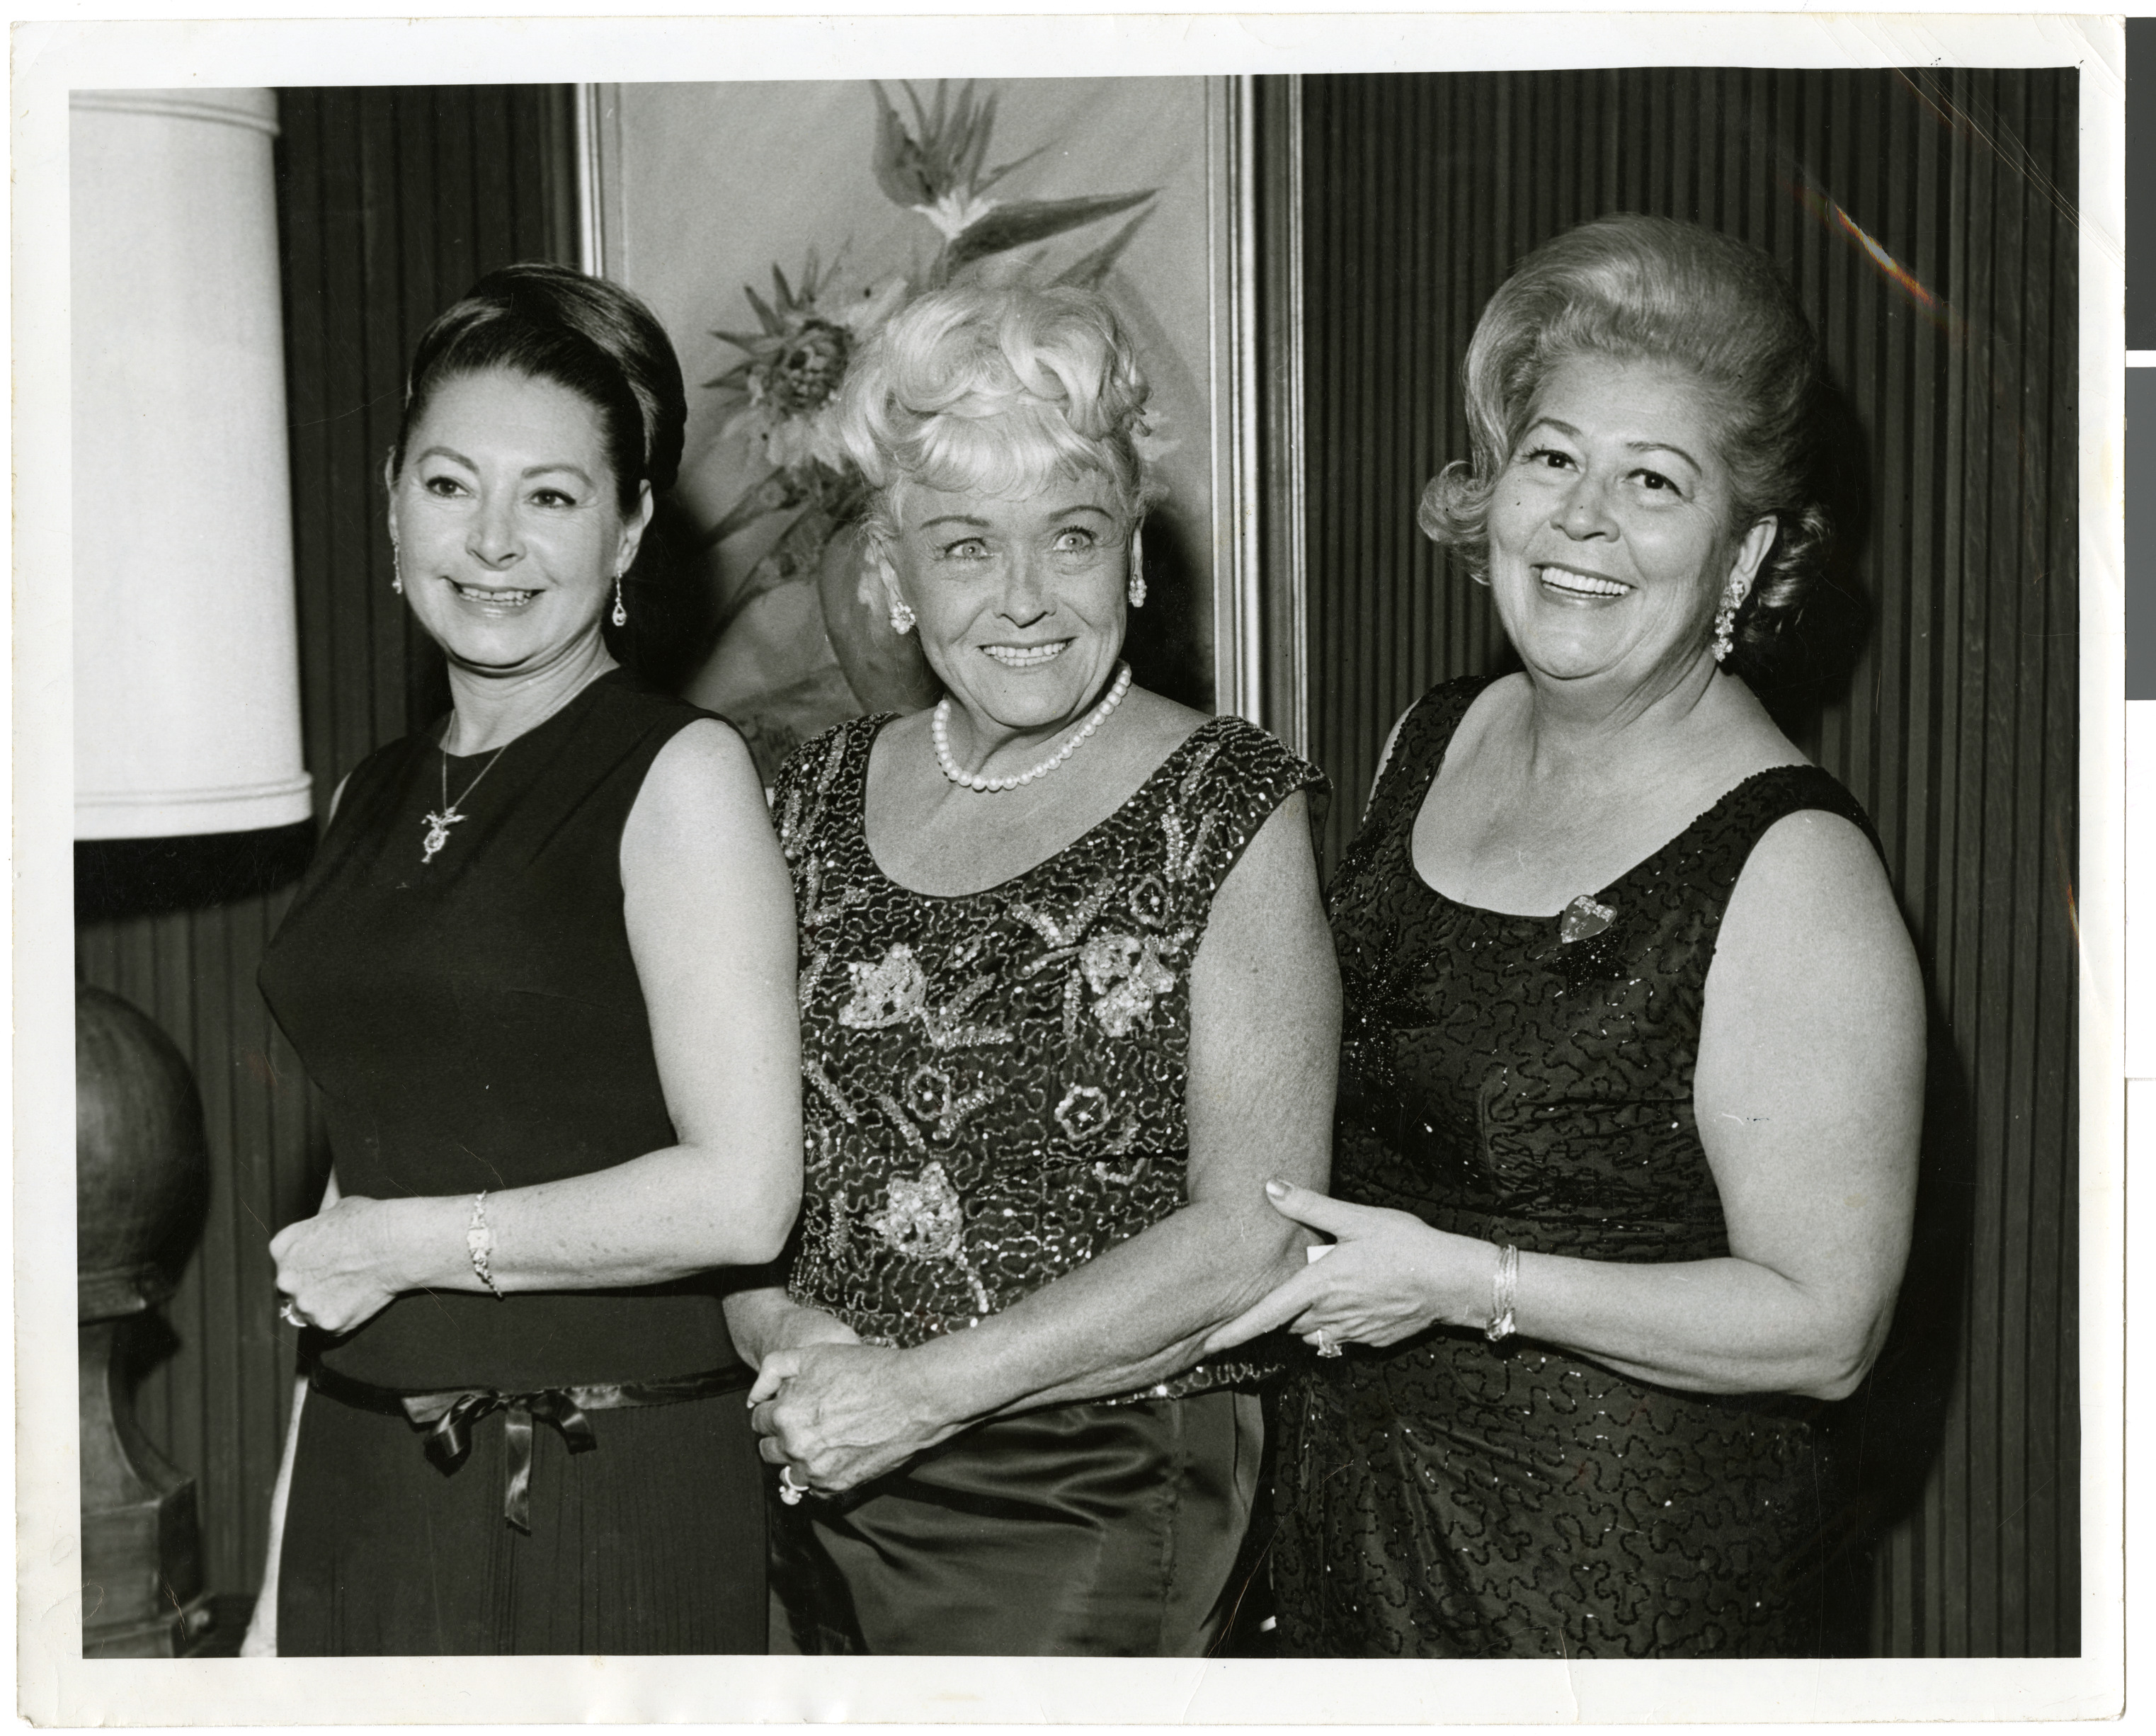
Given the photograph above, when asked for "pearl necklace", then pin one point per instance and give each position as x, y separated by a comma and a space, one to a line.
940, 727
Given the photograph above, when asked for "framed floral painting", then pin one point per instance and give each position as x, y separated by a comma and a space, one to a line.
774, 226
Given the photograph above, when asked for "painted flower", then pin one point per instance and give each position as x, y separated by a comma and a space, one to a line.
886, 994
956, 212
1125, 973
790, 371
782, 390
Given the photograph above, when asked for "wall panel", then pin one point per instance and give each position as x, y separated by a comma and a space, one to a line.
1954, 719
390, 202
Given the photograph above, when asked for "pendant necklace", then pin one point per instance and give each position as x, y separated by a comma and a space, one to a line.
439, 825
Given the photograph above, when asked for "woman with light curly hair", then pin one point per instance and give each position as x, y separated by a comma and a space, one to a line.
1630, 1088
1067, 1000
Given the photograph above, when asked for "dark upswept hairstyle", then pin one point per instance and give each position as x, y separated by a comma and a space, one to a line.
592, 337
1653, 289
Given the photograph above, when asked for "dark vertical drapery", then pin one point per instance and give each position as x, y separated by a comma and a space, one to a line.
390, 202
1956, 724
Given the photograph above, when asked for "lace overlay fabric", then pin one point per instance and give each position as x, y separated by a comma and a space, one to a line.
995, 1082
1448, 1496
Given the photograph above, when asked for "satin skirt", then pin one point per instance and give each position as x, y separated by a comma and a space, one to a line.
654, 1542
1079, 1530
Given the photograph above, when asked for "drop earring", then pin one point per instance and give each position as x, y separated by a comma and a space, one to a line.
620, 614
1138, 584
1725, 619
396, 568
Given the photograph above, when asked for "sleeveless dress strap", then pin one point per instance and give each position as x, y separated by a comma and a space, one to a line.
1424, 734
1721, 841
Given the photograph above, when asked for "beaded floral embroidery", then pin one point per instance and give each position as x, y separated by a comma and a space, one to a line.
996, 1082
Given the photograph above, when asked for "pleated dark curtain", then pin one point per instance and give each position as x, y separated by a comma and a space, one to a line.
1926, 218
390, 202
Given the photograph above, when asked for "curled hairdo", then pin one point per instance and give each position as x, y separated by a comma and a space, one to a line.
1653, 289
994, 390
582, 333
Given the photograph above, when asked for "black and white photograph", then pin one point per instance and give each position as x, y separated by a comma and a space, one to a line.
1061, 843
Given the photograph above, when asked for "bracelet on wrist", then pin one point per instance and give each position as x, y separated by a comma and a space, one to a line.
479, 1243
1504, 1287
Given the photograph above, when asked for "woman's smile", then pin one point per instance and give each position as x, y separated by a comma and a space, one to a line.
508, 524
1609, 529
1019, 602
1572, 585
491, 599
1027, 656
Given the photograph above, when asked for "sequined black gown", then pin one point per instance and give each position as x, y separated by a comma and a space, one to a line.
1450, 1498
996, 1096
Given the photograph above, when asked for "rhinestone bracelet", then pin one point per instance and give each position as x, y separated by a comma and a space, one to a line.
478, 1243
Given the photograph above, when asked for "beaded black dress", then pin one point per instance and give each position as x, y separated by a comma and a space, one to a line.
996, 1096
472, 1017
1447, 1497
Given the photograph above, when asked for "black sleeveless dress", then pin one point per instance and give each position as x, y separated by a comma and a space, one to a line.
1450, 1498
474, 1021
996, 1095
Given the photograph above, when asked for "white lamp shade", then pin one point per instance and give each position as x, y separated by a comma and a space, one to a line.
186, 653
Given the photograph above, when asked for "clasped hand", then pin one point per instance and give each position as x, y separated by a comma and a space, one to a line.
334, 1265
1386, 1276
841, 1415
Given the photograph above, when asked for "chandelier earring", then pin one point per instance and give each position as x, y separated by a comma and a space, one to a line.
1725, 618
1138, 584
620, 611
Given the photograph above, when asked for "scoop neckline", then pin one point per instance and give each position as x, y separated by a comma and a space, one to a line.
861, 816
568, 707
1601, 893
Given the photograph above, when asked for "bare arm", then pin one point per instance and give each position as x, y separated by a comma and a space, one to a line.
710, 914
1809, 1098
762, 1320
1264, 1032
1809, 1095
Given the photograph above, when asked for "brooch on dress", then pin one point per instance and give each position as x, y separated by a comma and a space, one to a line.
1583, 919
1589, 941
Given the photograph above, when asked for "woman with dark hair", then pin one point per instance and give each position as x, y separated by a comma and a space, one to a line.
542, 970
1631, 1082
1067, 1000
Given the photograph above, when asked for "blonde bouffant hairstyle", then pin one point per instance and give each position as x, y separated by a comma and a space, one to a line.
996, 390
1654, 289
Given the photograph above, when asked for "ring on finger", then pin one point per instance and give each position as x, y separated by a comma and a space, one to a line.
289, 1314
789, 1491
1326, 1344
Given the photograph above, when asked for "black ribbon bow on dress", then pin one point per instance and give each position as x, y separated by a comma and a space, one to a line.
451, 1416
447, 1416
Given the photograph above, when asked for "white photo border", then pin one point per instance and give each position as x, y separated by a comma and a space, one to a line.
56, 1685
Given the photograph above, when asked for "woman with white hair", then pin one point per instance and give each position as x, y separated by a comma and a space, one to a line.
1068, 999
